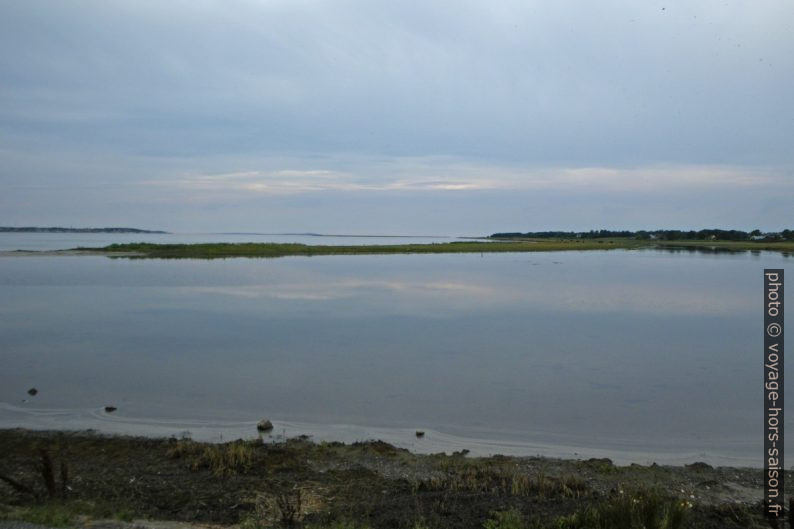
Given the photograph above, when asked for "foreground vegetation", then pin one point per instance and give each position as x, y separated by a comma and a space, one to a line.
62, 479
222, 250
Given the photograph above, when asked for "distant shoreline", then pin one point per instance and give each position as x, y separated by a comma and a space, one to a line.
493, 244
265, 250
345, 235
58, 229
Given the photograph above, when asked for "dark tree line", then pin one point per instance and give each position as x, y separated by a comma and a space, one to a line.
664, 235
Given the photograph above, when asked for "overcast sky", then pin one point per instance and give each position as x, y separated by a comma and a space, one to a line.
420, 117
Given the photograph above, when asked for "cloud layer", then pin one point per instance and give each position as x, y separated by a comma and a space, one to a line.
158, 107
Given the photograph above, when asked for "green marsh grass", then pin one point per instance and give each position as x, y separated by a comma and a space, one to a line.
222, 250
269, 249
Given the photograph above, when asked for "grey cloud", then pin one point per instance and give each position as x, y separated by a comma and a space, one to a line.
115, 93
606, 82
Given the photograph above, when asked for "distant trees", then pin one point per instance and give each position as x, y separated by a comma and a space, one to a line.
664, 235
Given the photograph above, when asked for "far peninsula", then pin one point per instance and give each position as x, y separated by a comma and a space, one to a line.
59, 229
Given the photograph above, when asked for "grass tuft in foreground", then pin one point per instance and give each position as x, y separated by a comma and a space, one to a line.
645, 509
224, 460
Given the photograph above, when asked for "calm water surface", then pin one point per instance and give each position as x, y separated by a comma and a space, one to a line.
641, 355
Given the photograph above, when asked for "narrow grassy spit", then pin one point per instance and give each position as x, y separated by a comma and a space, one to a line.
224, 250
220, 250
299, 483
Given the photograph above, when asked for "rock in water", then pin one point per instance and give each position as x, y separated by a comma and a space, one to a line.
420, 433
264, 425
700, 465
110, 409
32, 392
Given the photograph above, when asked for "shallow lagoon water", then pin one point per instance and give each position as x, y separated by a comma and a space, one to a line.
640, 355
